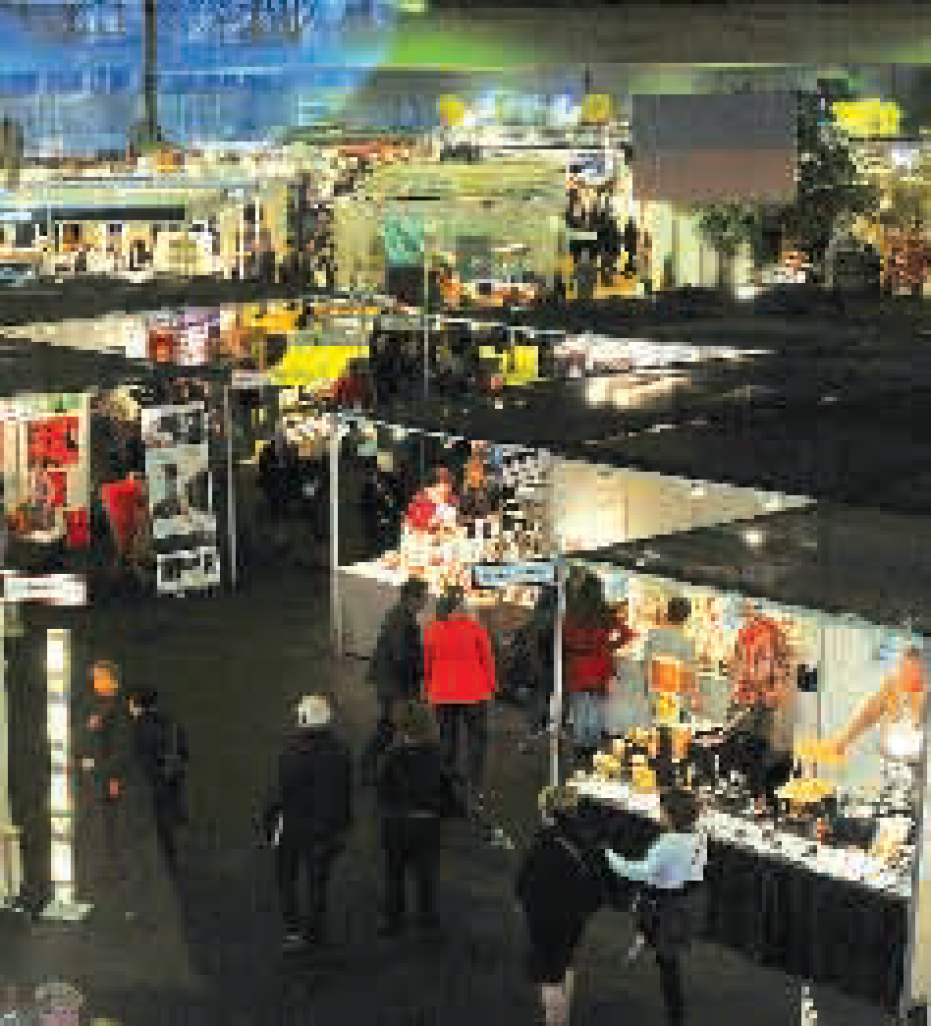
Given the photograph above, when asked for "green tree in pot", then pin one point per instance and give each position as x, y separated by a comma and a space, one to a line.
727, 227
830, 185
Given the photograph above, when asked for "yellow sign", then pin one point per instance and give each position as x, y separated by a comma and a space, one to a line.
315, 365
868, 118
596, 109
452, 111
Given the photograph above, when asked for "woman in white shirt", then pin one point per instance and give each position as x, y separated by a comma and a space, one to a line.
670, 907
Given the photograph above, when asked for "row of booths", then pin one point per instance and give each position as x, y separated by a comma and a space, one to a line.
752, 485
706, 472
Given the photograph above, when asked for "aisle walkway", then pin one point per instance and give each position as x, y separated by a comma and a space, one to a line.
232, 669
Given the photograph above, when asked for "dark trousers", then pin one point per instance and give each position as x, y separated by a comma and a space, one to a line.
317, 859
412, 846
470, 719
169, 813
379, 743
670, 981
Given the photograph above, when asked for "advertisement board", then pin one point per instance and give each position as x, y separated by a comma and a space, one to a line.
180, 497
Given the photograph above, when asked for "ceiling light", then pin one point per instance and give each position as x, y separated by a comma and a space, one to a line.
754, 538
699, 491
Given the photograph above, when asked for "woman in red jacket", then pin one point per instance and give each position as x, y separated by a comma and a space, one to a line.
459, 681
589, 663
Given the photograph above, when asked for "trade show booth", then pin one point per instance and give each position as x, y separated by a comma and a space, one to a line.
800, 618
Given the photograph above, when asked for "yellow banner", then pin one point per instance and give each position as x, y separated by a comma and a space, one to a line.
310, 365
596, 109
452, 111
868, 118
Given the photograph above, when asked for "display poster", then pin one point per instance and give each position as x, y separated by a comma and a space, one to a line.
184, 526
49, 498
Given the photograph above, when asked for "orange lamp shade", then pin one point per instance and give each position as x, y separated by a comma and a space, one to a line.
669, 676
912, 678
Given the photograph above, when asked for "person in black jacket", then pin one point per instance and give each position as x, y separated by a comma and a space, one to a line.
309, 820
414, 795
396, 669
161, 751
561, 884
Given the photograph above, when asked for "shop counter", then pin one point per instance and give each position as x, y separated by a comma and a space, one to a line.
780, 909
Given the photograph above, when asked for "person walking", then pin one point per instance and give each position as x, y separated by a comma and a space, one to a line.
561, 884
532, 665
459, 682
310, 816
589, 663
103, 750
161, 750
396, 670
414, 796
670, 908
586, 278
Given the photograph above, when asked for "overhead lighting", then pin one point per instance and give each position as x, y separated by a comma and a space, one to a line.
699, 491
754, 538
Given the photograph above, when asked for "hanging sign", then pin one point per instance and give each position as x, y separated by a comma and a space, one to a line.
395, 323
504, 575
251, 379
53, 589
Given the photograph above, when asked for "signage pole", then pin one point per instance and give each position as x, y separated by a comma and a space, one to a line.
556, 705
230, 488
336, 617
10, 865
915, 977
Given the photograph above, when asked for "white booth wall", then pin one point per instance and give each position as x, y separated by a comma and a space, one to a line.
595, 507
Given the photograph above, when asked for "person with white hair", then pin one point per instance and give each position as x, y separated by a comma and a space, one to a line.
310, 816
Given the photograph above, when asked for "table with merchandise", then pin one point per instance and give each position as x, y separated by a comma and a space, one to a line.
783, 891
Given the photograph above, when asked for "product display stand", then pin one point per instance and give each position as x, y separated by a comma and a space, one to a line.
64, 907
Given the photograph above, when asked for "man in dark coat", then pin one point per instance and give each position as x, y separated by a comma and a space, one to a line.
396, 669
307, 824
161, 752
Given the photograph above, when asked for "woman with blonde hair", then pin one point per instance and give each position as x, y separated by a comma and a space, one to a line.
561, 884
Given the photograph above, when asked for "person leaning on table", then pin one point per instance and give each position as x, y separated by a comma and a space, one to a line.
669, 908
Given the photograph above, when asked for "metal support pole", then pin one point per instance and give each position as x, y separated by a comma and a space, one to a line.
426, 323
915, 977
242, 241
336, 612
230, 488
556, 706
